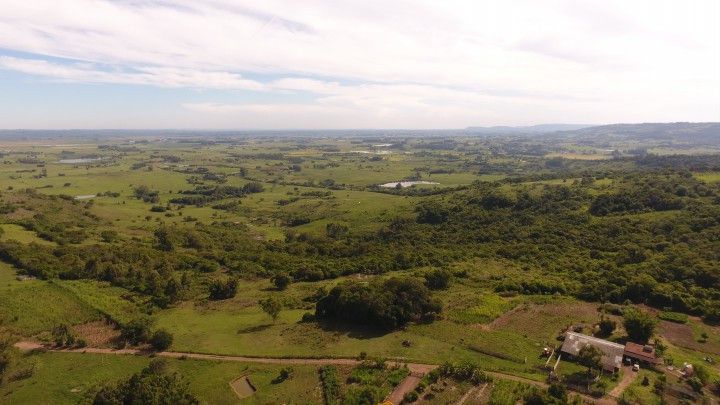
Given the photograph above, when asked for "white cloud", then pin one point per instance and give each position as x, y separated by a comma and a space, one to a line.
145, 75
409, 62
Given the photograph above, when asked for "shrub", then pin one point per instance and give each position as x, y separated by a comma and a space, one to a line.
220, 290
330, 379
438, 279
676, 317
607, 326
161, 340
109, 236
410, 397
281, 281
136, 331
63, 336
152, 386
465, 371
271, 306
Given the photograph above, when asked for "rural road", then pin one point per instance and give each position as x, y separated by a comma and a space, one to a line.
416, 369
628, 377
405, 386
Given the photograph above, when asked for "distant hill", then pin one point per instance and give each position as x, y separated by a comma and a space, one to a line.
532, 129
693, 132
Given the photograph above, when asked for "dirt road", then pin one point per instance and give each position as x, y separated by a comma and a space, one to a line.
628, 377
405, 386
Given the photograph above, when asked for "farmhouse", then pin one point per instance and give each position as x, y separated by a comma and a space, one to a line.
612, 352
643, 354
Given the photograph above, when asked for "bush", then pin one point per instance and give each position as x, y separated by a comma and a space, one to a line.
63, 336
607, 326
285, 373
136, 331
676, 317
161, 340
281, 281
152, 386
330, 379
410, 397
220, 290
465, 371
109, 236
438, 279
695, 384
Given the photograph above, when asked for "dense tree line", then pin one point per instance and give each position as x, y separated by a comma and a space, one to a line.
649, 237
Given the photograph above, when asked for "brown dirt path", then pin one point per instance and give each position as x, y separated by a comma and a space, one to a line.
628, 377
405, 386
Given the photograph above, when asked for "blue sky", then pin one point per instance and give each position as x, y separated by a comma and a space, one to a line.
236, 64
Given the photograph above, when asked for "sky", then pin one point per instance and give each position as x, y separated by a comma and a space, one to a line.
333, 64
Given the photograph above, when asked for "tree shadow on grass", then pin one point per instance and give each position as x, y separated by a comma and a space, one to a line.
353, 331
256, 328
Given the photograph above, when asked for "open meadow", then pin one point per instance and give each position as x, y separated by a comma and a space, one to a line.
474, 254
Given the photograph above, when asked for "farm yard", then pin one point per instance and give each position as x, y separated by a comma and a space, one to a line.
289, 253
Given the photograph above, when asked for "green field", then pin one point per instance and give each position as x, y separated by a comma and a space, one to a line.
69, 378
520, 241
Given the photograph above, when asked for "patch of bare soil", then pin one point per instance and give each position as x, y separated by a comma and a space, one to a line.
682, 335
242, 387
97, 333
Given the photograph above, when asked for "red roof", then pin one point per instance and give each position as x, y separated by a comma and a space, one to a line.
639, 352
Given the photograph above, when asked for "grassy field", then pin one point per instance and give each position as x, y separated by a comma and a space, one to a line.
69, 378
31, 306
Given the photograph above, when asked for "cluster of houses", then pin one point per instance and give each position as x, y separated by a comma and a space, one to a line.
613, 353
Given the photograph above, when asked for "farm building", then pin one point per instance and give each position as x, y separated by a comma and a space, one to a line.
612, 352
643, 354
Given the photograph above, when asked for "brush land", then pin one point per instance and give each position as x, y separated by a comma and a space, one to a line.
306, 247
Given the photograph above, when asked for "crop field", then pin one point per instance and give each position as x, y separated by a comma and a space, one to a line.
291, 248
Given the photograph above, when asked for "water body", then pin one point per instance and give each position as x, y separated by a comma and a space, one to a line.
79, 160
379, 152
406, 183
85, 197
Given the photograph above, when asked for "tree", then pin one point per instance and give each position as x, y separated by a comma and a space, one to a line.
161, 340
281, 281
590, 357
63, 336
165, 238
220, 290
385, 304
154, 385
607, 326
639, 325
271, 306
109, 235
559, 391
336, 231
438, 279
136, 331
